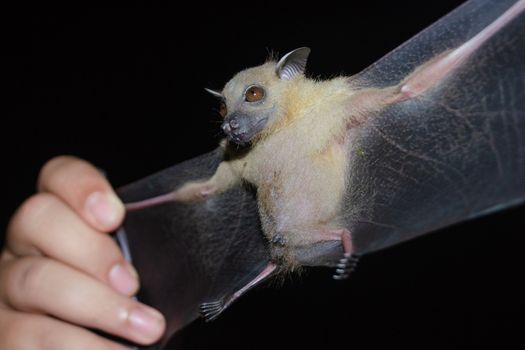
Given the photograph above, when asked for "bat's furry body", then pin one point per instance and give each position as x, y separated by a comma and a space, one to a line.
297, 162
295, 142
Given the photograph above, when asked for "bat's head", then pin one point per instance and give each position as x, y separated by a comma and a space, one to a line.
253, 102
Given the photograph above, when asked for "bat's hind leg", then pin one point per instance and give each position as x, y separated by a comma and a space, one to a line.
349, 261
303, 251
211, 310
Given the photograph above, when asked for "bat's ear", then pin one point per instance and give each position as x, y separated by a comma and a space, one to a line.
215, 93
293, 63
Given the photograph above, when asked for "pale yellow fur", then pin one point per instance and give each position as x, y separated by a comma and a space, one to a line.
298, 162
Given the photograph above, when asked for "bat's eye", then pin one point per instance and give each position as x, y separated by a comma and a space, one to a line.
254, 94
223, 110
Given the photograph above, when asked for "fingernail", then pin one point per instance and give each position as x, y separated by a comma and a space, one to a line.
147, 321
106, 208
124, 278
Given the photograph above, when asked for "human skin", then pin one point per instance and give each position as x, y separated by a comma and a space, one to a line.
60, 271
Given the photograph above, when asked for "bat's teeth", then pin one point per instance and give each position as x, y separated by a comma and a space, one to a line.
343, 261
341, 265
210, 311
340, 271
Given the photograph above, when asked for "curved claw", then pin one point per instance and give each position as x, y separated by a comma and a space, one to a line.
210, 311
345, 266
340, 277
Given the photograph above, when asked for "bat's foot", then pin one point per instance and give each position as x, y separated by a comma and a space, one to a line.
279, 240
346, 265
212, 310
349, 261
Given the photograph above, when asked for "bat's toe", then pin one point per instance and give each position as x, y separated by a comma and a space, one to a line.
210, 311
345, 266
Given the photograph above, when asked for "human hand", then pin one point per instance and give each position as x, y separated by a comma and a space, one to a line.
60, 272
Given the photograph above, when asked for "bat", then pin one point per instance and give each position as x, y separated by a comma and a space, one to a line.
317, 173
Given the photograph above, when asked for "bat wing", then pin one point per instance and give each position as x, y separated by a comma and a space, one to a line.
456, 151
189, 254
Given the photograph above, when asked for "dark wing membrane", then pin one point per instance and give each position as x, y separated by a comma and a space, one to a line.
187, 254
454, 153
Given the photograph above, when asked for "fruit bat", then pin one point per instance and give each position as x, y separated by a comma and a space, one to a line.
319, 172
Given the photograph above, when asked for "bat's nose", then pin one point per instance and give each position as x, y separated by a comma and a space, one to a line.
234, 124
226, 127
230, 126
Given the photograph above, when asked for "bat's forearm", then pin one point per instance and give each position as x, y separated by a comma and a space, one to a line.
225, 177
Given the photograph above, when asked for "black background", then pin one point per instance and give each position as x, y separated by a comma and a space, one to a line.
122, 88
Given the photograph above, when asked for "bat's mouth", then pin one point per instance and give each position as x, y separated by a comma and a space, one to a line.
241, 128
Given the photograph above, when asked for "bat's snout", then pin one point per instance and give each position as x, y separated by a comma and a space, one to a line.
226, 128
231, 126
241, 128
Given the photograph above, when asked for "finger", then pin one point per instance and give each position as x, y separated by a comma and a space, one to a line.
85, 189
41, 285
29, 331
35, 230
